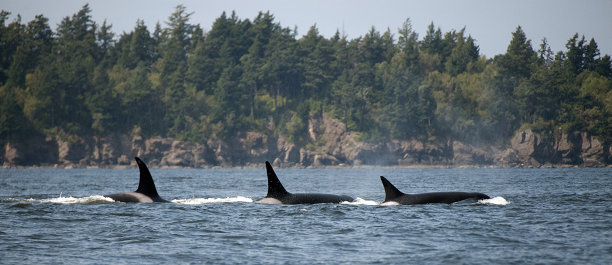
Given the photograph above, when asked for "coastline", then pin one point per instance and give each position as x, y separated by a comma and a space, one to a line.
329, 146
253, 166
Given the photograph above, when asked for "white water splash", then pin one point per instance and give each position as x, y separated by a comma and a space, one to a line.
196, 201
389, 203
360, 201
95, 199
73, 200
19, 200
269, 201
495, 201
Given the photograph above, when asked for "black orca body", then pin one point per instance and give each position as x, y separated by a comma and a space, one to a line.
278, 195
392, 194
146, 191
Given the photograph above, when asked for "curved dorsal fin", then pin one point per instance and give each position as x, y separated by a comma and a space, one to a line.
146, 185
391, 192
275, 188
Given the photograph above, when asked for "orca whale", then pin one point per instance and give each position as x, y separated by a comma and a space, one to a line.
146, 191
278, 195
393, 195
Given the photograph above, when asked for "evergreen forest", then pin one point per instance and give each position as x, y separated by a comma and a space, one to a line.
178, 80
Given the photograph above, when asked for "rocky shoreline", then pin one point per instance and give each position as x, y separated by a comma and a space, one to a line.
331, 145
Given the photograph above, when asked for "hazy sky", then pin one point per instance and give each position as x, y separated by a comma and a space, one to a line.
490, 22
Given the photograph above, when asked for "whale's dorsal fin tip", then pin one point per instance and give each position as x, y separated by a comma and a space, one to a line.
146, 185
275, 188
391, 192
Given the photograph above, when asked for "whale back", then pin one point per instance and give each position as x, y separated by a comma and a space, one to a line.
392, 194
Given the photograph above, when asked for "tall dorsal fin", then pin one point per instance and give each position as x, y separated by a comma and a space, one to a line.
146, 185
391, 192
275, 188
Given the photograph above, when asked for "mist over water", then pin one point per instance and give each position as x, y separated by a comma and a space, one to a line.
549, 216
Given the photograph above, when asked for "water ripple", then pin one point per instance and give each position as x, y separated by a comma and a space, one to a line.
550, 216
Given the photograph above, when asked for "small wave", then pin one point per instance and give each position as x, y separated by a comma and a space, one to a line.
19, 200
495, 201
389, 203
85, 200
213, 200
360, 201
66, 200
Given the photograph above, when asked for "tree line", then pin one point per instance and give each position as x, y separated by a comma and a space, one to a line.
180, 81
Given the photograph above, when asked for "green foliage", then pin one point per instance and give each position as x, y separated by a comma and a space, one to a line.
181, 81
295, 128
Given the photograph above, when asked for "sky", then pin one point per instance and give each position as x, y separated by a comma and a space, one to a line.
489, 22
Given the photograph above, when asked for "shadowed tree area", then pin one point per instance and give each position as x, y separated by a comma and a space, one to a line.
178, 80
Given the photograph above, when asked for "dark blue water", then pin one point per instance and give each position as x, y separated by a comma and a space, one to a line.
539, 216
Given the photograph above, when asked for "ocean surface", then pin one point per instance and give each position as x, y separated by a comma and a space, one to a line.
535, 216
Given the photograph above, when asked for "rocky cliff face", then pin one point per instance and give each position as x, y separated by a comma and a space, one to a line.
574, 149
331, 145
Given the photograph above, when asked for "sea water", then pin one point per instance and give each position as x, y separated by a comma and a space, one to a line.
535, 216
